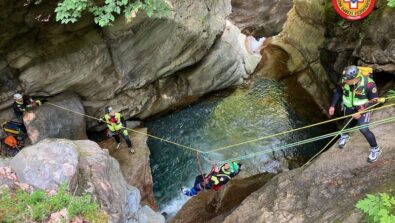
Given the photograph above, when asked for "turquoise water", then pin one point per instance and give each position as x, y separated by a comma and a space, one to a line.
220, 121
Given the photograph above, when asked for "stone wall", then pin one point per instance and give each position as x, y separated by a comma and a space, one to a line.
140, 68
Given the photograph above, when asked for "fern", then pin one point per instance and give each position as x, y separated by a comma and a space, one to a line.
378, 209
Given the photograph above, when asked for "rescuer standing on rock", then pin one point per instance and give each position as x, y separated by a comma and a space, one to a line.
359, 92
116, 125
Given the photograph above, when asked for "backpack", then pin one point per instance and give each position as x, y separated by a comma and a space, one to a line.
11, 141
13, 127
366, 71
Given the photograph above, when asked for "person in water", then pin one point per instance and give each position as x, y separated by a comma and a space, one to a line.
213, 180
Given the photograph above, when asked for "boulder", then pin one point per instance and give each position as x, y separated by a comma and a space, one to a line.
48, 121
9, 180
47, 164
101, 176
260, 17
328, 189
87, 169
136, 167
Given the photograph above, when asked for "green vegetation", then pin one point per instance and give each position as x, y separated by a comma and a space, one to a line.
391, 3
38, 206
379, 208
391, 93
70, 11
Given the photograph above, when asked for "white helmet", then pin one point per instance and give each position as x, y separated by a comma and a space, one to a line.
350, 72
109, 109
17, 96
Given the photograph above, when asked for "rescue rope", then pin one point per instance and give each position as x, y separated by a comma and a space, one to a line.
326, 146
138, 132
233, 145
380, 122
296, 129
200, 169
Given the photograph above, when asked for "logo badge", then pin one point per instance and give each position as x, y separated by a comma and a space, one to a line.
353, 9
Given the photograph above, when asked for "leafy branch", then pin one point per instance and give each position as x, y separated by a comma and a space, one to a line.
71, 11
391, 3
379, 208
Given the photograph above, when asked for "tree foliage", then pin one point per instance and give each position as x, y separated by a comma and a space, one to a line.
391, 3
105, 11
379, 208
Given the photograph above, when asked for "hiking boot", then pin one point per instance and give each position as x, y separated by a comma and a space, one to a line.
131, 150
118, 145
374, 154
343, 140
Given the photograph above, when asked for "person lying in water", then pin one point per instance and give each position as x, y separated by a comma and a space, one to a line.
213, 180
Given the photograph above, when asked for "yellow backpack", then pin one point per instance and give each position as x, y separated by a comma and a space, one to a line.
365, 71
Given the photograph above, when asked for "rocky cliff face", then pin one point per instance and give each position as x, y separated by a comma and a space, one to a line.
295, 51
136, 167
312, 44
260, 17
369, 42
86, 168
325, 191
316, 44
140, 68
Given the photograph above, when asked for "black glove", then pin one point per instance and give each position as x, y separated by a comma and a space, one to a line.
100, 121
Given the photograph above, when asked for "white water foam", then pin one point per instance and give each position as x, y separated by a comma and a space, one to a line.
175, 205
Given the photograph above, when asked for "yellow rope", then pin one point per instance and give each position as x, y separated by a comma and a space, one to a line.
302, 142
233, 145
138, 132
297, 129
329, 143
